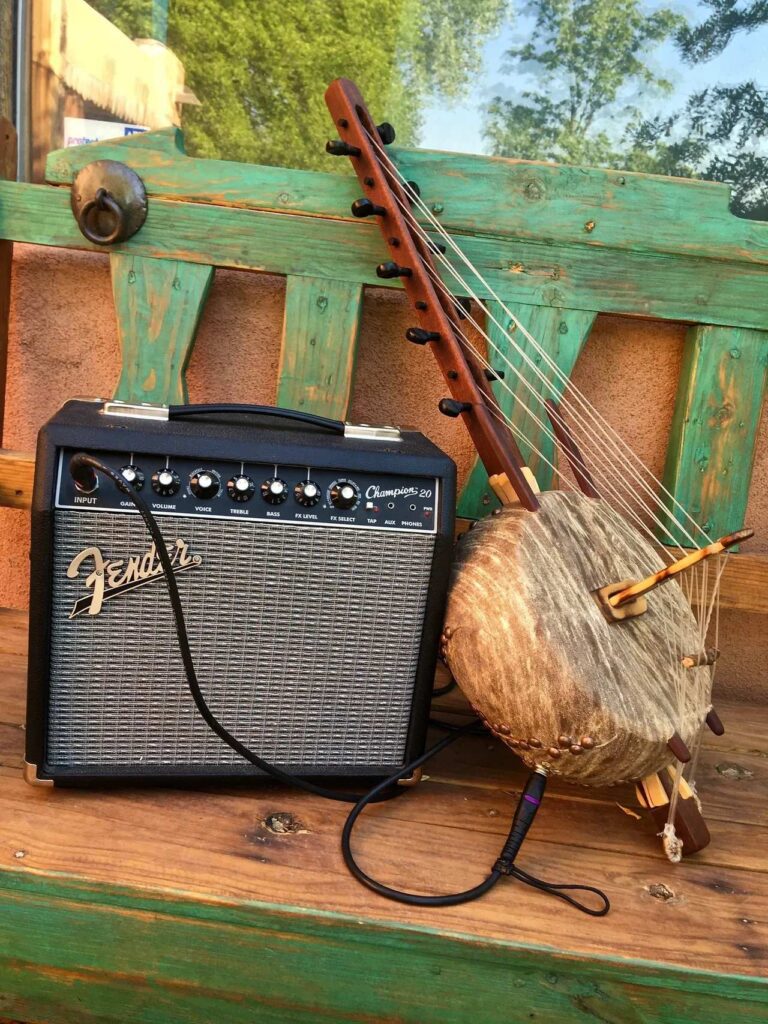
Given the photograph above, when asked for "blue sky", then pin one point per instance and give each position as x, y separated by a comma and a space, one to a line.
459, 128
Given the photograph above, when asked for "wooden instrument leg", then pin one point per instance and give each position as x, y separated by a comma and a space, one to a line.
654, 792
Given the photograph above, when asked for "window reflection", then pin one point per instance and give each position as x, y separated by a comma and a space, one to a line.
635, 84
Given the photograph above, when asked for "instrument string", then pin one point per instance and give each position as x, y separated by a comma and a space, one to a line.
693, 763
675, 650
675, 655
701, 601
509, 423
597, 432
609, 434
594, 443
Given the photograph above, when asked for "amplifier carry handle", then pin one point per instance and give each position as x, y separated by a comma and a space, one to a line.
176, 412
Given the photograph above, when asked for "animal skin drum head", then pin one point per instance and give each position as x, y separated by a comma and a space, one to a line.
527, 641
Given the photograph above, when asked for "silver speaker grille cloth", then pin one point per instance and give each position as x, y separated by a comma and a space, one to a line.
305, 641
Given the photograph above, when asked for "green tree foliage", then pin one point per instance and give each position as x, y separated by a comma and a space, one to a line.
587, 57
260, 69
720, 133
727, 18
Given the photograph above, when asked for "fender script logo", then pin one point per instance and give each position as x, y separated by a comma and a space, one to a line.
111, 577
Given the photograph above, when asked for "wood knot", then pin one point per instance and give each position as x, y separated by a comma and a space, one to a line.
660, 891
731, 770
283, 823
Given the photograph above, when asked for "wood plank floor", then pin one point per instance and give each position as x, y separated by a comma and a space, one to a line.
216, 846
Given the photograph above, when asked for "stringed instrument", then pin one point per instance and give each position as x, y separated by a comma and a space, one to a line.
569, 627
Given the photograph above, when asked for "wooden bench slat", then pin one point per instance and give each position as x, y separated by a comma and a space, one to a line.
714, 427
589, 206
531, 272
318, 347
17, 476
163, 958
158, 305
562, 334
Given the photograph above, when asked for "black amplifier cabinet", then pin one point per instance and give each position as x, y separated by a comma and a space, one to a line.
312, 567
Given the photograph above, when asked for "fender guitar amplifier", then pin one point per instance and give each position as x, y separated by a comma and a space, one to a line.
312, 561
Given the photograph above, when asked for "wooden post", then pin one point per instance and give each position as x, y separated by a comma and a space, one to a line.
158, 305
714, 429
7, 170
6, 60
317, 355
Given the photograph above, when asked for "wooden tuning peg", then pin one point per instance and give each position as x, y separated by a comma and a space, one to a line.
386, 133
453, 408
337, 147
436, 246
714, 723
420, 337
392, 269
367, 208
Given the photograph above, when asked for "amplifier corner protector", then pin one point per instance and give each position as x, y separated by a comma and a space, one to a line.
135, 410
31, 776
412, 780
365, 432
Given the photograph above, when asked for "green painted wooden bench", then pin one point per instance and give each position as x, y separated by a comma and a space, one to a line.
164, 907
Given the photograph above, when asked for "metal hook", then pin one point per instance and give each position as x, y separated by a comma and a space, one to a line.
108, 187
88, 223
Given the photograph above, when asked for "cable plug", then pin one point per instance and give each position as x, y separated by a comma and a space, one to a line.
527, 806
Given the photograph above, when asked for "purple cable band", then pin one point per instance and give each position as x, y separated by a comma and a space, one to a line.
532, 799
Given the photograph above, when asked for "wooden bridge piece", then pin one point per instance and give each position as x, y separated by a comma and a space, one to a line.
562, 334
714, 428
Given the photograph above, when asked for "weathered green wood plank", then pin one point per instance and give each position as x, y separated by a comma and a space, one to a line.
159, 158
472, 194
158, 305
562, 334
714, 428
71, 953
317, 355
532, 273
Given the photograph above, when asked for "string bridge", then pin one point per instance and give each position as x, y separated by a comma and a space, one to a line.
626, 599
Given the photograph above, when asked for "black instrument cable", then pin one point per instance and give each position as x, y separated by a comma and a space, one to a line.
83, 468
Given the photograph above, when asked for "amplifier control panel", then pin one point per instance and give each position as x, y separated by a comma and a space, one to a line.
173, 485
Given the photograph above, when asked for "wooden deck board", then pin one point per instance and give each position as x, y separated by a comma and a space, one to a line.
211, 848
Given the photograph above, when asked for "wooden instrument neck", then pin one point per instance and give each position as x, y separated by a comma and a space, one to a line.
433, 305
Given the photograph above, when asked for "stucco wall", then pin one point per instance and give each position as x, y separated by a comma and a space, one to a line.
63, 343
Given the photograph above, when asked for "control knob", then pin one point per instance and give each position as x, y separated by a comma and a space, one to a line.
133, 475
307, 493
241, 488
204, 483
344, 494
165, 482
274, 490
